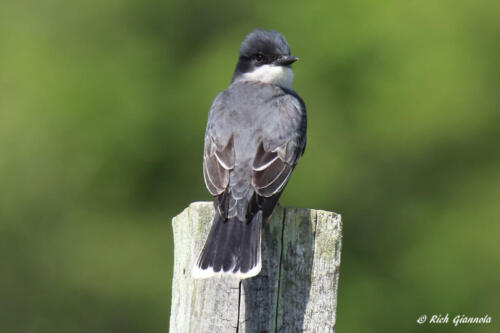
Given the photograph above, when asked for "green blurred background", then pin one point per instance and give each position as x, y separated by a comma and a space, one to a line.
103, 107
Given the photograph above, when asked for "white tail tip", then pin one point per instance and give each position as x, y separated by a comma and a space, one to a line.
199, 273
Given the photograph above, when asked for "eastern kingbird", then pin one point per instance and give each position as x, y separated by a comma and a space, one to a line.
255, 134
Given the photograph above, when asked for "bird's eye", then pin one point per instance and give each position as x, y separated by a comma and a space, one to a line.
259, 57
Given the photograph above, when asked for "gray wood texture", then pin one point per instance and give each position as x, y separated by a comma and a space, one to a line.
296, 291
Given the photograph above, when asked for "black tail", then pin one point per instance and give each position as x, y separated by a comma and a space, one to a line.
232, 248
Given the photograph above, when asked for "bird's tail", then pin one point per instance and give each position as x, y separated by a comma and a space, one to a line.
232, 248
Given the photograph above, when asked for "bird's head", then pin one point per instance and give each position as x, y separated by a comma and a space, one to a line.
265, 57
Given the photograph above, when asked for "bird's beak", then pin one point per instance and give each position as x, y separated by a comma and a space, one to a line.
285, 60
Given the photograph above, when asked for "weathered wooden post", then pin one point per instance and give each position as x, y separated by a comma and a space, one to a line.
296, 290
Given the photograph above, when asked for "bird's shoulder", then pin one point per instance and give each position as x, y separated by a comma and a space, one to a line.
247, 93
293, 97
273, 108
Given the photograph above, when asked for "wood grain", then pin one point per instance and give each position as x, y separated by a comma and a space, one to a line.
296, 291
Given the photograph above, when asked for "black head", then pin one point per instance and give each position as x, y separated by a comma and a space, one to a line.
262, 47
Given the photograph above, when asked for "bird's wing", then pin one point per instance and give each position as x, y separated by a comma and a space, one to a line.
217, 161
218, 156
282, 144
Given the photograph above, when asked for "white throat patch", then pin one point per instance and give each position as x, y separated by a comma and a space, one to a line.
279, 75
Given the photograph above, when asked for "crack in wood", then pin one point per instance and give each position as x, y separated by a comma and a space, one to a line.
279, 271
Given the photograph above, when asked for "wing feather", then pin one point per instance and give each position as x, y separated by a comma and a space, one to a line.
280, 148
263, 159
269, 179
217, 162
278, 183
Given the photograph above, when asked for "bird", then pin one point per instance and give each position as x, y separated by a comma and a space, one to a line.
255, 134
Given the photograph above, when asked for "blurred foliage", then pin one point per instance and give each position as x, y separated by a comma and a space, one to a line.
102, 113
